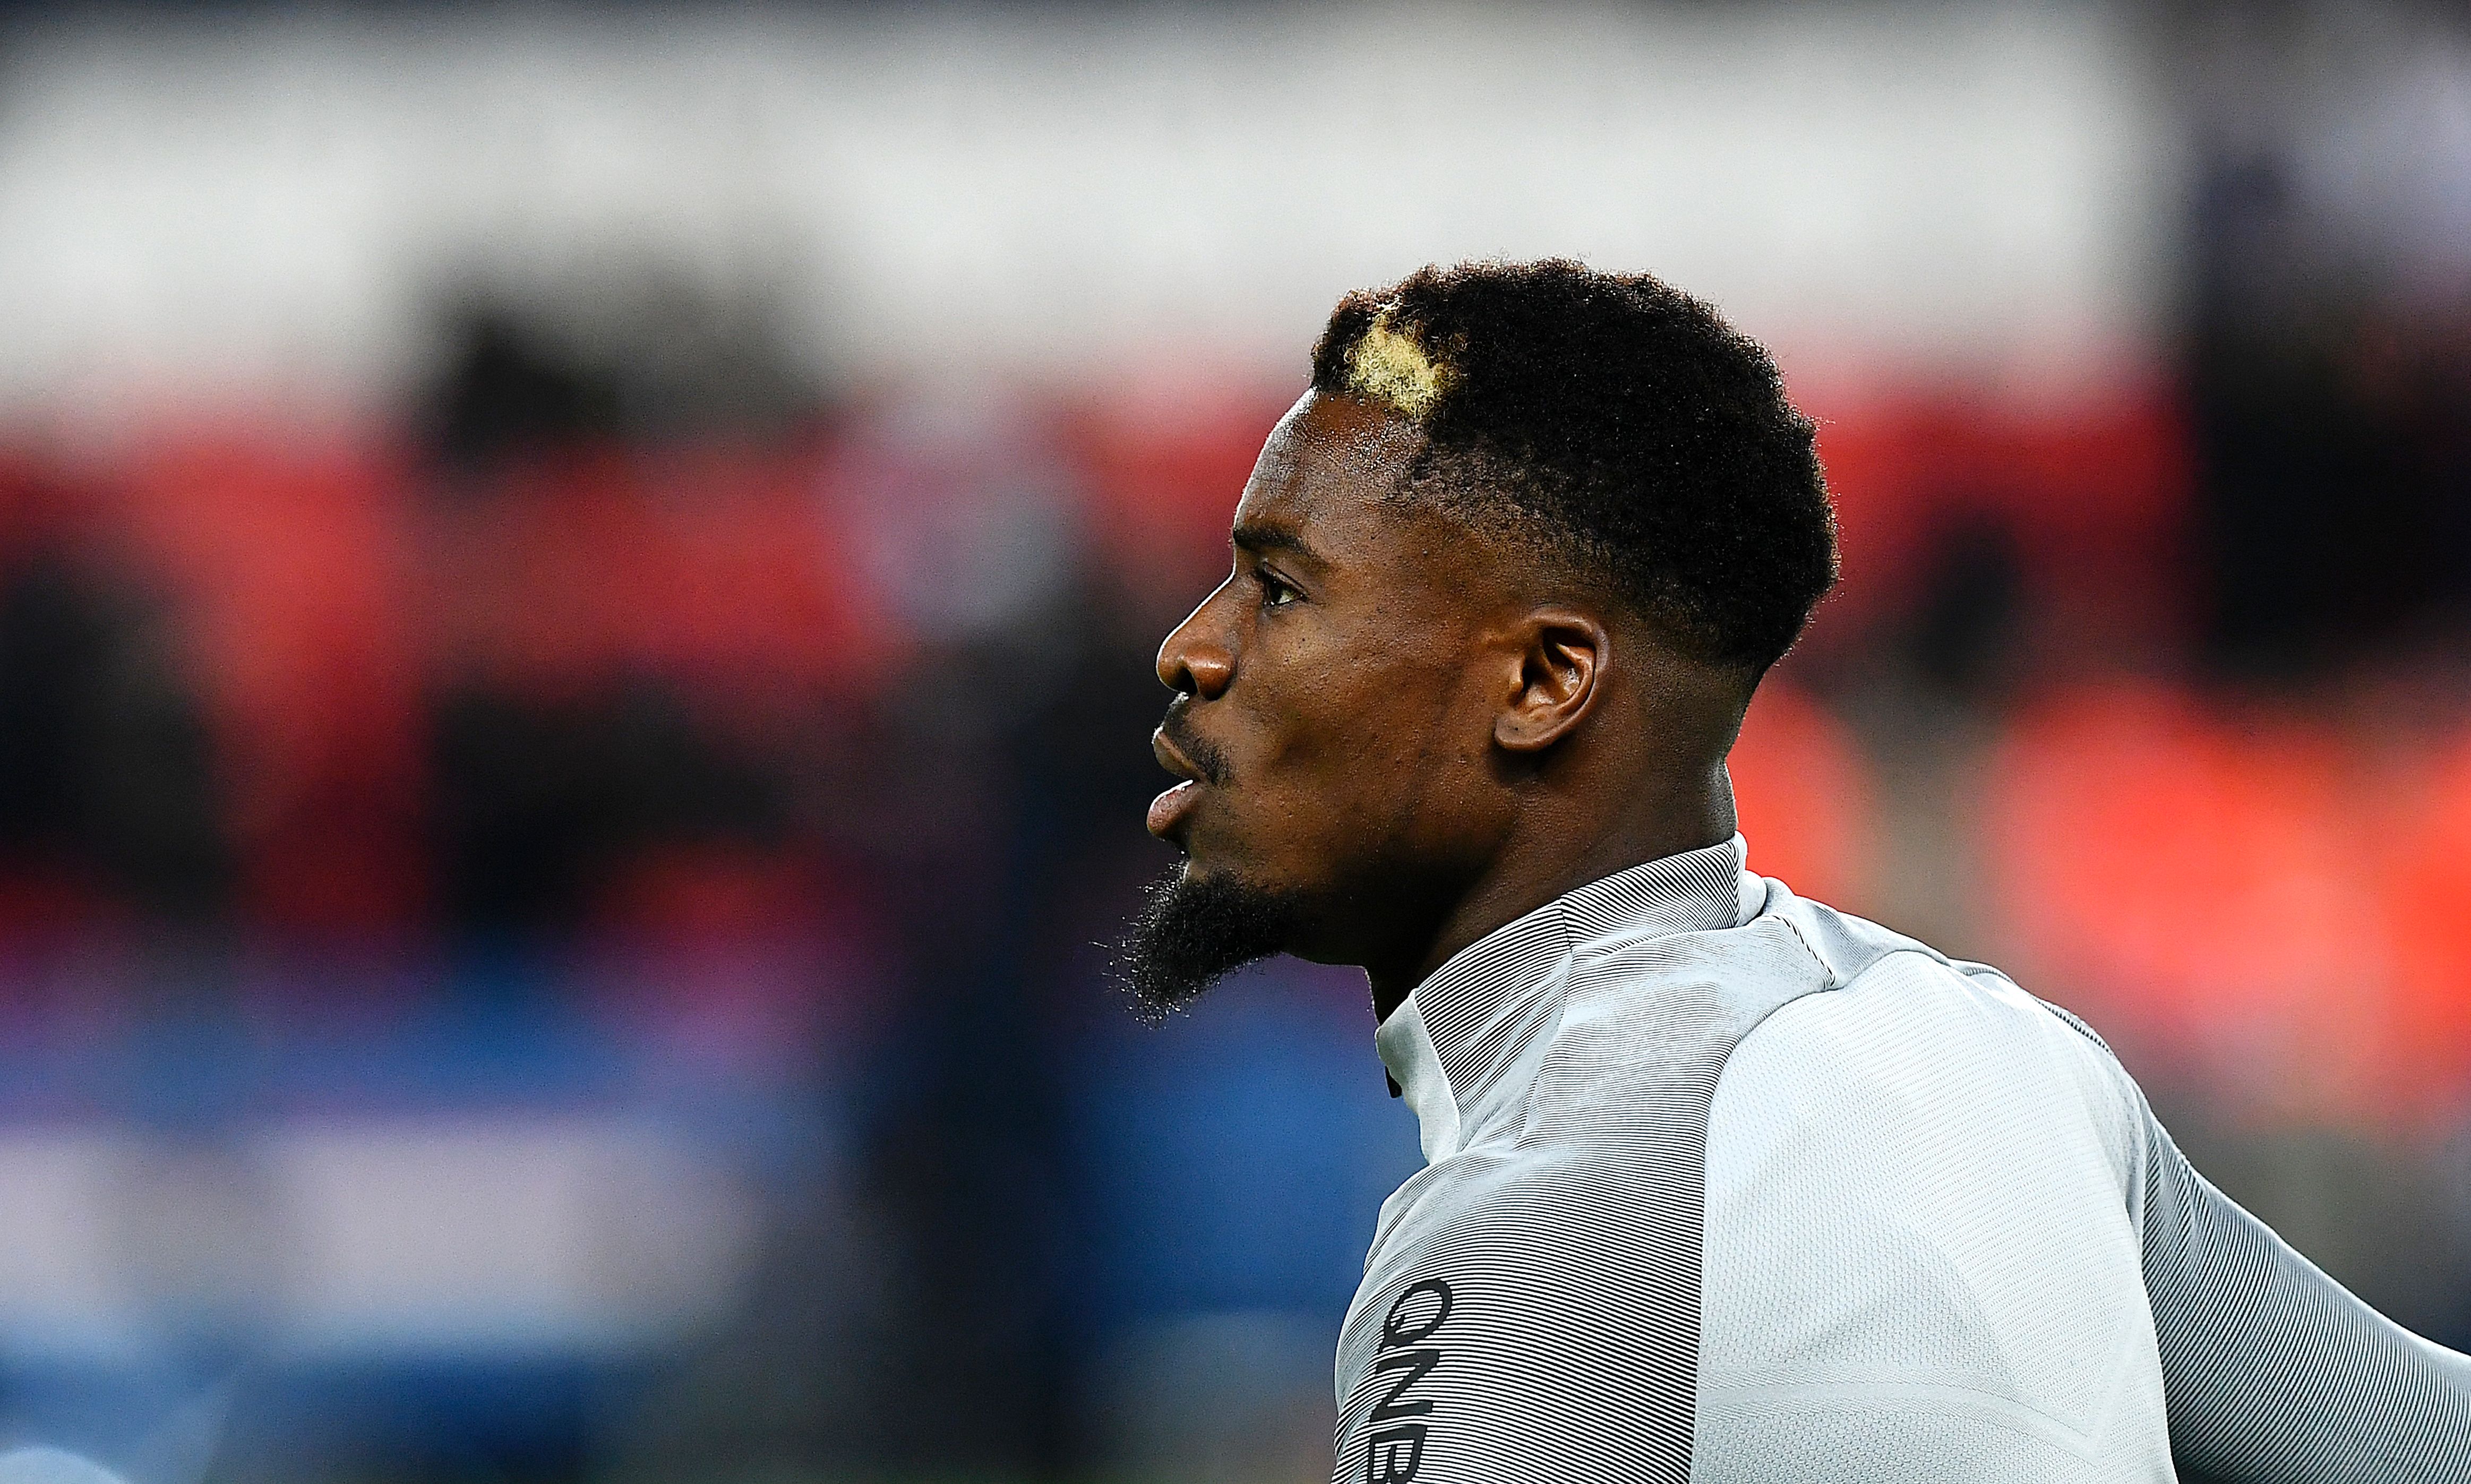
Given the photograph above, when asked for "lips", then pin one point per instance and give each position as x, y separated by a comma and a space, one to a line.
1169, 809
1172, 758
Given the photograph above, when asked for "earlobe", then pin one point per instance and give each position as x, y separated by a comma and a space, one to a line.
1560, 667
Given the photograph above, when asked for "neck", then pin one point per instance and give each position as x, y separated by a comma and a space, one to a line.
1552, 853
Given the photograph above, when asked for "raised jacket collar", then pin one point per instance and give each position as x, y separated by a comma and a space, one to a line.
1456, 1041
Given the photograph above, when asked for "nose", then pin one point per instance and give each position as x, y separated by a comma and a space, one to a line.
1194, 661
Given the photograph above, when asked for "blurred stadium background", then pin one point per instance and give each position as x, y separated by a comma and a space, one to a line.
576, 589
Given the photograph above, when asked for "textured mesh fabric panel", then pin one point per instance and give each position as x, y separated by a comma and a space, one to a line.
1806, 1441
1918, 1235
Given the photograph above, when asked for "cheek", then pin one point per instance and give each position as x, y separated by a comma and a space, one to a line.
1361, 743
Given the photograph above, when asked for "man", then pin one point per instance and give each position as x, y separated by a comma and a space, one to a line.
1721, 1184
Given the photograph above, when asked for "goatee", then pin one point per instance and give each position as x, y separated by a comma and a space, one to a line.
1190, 935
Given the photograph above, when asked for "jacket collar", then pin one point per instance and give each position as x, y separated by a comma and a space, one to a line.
1489, 1008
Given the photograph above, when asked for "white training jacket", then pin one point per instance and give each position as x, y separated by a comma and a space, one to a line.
1724, 1185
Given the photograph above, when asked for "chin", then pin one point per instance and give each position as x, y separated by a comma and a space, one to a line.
1195, 927
1205, 859
1200, 874
1219, 869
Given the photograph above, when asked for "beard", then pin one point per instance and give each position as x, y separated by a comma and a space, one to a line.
1190, 935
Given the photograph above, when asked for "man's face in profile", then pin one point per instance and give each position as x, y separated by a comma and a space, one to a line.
1331, 738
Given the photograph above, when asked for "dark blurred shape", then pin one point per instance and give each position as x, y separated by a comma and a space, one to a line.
1974, 527
543, 804
2331, 396
106, 765
507, 391
645, 356
1967, 623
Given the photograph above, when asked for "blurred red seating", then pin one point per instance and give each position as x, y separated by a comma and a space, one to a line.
2427, 917
289, 560
714, 568
2189, 879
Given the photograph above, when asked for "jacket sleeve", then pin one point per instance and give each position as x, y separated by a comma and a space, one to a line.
2273, 1372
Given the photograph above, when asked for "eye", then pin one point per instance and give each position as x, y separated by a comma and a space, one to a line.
1276, 593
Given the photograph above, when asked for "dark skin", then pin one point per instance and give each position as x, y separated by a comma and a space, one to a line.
1420, 729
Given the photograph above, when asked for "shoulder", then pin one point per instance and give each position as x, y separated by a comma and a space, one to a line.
1915, 1059
1927, 1140
1906, 1034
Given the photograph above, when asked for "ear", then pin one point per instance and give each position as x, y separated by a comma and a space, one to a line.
1558, 667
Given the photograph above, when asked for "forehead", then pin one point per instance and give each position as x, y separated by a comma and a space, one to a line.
1325, 470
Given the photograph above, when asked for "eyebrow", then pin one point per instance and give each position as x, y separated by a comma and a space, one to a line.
1257, 537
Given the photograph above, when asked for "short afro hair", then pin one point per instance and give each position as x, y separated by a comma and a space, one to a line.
1615, 422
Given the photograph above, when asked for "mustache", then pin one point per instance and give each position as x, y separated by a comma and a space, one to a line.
1177, 725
